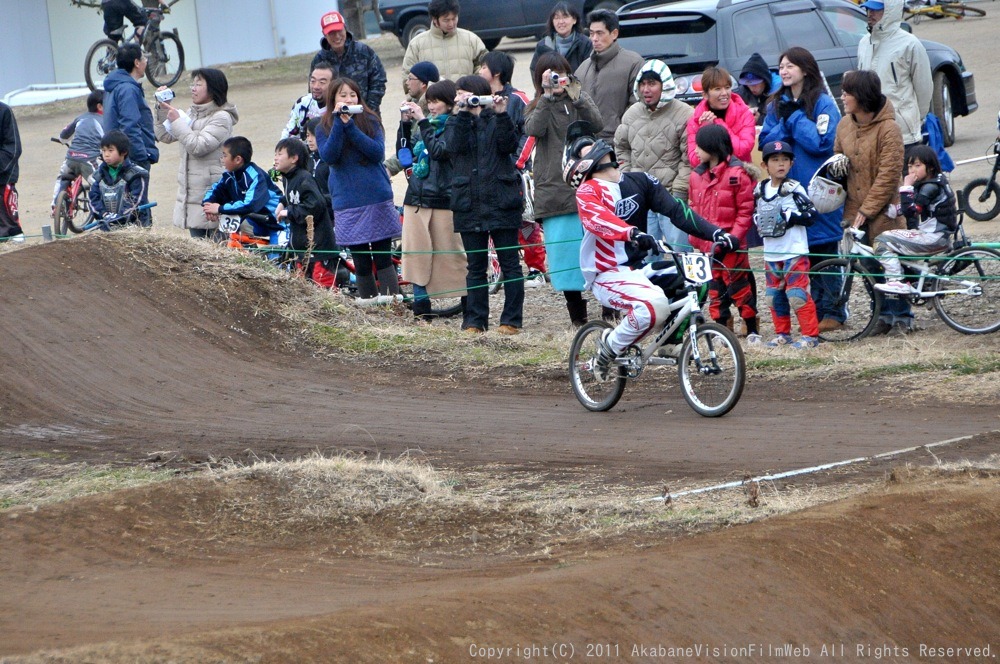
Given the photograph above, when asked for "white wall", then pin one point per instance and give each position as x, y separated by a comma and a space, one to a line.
24, 58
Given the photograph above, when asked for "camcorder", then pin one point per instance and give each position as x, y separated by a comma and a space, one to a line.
558, 79
351, 109
163, 96
479, 100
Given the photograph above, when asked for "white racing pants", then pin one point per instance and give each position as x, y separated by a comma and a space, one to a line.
644, 305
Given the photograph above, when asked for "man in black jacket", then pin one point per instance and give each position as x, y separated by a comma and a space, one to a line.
10, 153
351, 59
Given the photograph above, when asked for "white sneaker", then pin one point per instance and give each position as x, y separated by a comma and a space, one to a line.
535, 279
895, 287
754, 339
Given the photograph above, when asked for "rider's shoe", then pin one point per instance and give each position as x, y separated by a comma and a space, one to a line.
896, 287
780, 340
806, 342
754, 339
605, 356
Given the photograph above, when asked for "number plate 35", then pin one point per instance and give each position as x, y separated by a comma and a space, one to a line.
697, 268
229, 223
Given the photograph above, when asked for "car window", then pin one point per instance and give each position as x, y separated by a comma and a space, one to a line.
849, 26
754, 32
687, 37
804, 29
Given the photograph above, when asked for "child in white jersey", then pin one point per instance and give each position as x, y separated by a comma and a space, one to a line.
782, 213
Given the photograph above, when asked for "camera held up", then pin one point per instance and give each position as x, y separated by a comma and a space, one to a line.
163, 96
351, 109
557, 79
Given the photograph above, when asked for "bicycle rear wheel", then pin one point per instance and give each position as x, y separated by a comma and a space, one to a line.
594, 394
713, 386
851, 290
101, 60
166, 60
971, 314
79, 211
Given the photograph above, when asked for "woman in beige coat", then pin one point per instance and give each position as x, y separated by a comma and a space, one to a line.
201, 132
873, 143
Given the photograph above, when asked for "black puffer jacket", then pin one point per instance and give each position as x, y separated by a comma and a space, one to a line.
360, 64
485, 189
303, 198
433, 191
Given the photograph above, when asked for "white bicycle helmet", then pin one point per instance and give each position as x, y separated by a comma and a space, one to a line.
826, 189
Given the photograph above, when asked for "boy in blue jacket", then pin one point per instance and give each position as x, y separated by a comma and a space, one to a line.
120, 186
245, 188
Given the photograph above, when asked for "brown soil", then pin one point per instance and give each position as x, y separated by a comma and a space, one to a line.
109, 361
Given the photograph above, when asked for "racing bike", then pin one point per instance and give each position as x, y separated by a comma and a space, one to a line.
962, 285
71, 210
982, 195
163, 49
916, 10
709, 360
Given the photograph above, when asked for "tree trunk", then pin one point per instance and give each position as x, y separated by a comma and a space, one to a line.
354, 16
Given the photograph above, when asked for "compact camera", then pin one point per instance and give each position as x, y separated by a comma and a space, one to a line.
479, 100
163, 96
351, 109
559, 79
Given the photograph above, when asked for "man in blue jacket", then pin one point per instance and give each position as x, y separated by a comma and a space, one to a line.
125, 107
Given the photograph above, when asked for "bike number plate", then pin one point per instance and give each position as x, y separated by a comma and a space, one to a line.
229, 223
697, 268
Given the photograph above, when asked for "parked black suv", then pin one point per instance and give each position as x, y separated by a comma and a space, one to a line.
693, 34
491, 20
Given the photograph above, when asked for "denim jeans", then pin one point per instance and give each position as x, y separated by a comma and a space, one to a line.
659, 226
477, 307
824, 288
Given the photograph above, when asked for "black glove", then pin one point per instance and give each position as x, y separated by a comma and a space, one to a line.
643, 241
727, 241
786, 107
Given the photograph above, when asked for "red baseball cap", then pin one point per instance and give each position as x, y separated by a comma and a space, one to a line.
332, 21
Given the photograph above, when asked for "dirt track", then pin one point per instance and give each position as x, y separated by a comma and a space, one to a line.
106, 362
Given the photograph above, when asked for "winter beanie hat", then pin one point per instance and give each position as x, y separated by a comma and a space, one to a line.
427, 72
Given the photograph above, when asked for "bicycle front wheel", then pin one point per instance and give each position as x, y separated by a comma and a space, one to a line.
166, 60
712, 384
848, 290
101, 60
977, 313
61, 214
982, 199
595, 394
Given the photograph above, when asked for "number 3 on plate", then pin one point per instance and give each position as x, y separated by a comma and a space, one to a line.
696, 268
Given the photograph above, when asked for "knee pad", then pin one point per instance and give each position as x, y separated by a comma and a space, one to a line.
797, 298
769, 296
661, 307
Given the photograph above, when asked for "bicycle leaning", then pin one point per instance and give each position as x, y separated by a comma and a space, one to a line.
915, 10
163, 49
709, 360
962, 285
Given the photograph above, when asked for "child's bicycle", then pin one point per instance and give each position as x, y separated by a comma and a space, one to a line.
709, 360
110, 223
982, 195
163, 49
916, 10
71, 210
963, 285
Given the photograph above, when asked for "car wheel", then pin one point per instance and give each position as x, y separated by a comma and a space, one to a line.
413, 28
941, 106
491, 44
612, 5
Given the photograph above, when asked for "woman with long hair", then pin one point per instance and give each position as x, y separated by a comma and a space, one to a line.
564, 36
351, 140
200, 133
803, 115
549, 115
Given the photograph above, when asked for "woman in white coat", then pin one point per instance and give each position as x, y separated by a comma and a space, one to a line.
200, 132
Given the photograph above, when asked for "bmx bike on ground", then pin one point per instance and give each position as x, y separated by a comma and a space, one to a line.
163, 49
709, 360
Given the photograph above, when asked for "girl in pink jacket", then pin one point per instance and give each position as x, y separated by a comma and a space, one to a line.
720, 106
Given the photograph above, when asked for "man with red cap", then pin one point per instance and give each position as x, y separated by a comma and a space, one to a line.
351, 59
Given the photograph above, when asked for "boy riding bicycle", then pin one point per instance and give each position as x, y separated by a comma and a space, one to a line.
608, 200
84, 151
116, 11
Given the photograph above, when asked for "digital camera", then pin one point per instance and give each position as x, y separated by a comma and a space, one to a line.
559, 79
351, 109
163, 96
479, 100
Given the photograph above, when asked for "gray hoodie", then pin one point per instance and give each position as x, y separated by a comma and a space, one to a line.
901, 62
